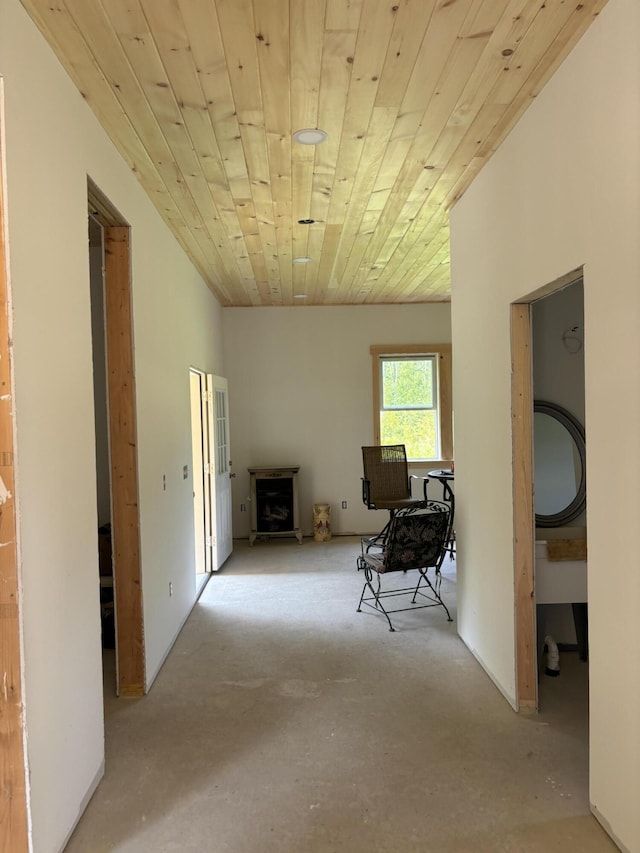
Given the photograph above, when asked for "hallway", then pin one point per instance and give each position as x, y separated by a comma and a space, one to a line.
285, 721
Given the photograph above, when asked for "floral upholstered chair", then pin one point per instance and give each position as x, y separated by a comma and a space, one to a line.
416, 540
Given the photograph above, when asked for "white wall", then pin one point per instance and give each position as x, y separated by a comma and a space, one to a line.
562, 191
300, 393
178, 325
52, 142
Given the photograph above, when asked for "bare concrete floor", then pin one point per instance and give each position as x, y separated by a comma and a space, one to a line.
284, 721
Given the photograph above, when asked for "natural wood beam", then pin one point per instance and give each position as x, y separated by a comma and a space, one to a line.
523, 507
13, 775
124, 467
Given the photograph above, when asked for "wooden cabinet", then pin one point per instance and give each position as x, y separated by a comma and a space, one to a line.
274, 502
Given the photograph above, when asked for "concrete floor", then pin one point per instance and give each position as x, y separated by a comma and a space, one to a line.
284, 721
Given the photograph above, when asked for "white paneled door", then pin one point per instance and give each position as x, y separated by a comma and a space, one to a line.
223, 474
201, 456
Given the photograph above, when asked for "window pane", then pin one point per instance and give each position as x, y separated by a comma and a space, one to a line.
407, 383
417, 430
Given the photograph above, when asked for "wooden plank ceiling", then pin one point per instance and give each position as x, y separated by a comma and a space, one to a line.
201, 97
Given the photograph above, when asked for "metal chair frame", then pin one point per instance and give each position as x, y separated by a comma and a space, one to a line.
448, 496
416, 539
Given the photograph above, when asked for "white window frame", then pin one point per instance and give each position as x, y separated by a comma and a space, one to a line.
442, 353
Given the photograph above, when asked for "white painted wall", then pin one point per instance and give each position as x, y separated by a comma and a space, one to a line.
178, 324
563, 190
301, 393
52, 142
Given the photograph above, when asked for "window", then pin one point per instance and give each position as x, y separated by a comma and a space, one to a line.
412, 399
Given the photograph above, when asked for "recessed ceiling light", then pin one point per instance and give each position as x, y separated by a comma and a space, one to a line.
310, 136
301, 260
306, 221
299, 295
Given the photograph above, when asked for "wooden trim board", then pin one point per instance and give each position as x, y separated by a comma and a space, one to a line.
125, 524
523, 507
14, 833
101, 208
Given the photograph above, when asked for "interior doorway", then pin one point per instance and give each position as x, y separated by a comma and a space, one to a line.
212, 474
114, 334
101, 429
559, 451
523, 393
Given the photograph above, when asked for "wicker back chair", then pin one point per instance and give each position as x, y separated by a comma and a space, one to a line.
386, 483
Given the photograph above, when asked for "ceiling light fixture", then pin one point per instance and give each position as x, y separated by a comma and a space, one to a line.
306, 221
310, 136
302, 260
299, 295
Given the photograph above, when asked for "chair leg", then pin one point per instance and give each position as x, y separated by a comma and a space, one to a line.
451, 545
434, 589
368, 574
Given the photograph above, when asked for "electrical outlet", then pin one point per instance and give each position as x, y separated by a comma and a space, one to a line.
243, 508
344, 504
170, 589
164, 482
185, 472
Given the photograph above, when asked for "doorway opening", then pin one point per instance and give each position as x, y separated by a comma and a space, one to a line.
101, 427
547, 362
559, 452
212, 474
116, 440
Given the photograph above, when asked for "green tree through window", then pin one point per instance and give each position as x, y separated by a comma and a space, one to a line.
412, 396
408, 411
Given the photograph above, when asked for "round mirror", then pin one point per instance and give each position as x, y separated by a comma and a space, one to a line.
559, 465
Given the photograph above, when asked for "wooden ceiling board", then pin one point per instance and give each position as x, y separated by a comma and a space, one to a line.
202, 97
87, 22
411, 21
355, 235
407, 193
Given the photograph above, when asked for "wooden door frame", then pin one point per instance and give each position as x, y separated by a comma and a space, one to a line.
14, 821
523, 490
523, 507
123, 445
